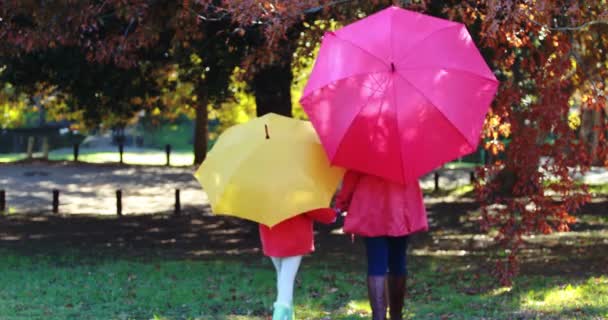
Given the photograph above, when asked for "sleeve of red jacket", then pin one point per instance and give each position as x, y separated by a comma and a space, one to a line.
324, 215
349, 183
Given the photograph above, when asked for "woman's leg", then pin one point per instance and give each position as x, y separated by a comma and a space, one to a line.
397, 266
377, 265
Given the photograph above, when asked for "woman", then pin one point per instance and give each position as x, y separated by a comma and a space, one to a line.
384, 213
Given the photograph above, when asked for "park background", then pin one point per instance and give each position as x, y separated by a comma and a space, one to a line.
107, 106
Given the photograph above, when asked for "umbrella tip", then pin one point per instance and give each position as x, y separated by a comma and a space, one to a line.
392, 67
266, 129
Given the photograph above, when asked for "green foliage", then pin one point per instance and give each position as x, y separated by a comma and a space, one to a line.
239, 109
13, 107
75, 89
177, 133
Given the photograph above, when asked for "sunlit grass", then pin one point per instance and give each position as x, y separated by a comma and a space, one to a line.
102, 285
599, 189
456, 192
590, 295
460, 165
147, 157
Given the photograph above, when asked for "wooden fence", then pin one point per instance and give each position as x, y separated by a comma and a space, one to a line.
55, 193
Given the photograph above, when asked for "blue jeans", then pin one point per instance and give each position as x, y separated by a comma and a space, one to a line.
386, 254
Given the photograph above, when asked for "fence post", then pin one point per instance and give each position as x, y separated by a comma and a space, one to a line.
30, 147
168, 152
436, 181
485, 159
45, 148
2, 201
178, 205
121, 150
119, 203
76, 151
55, 201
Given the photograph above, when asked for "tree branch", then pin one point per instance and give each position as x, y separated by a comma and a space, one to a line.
569, 28
321, 7
578, 28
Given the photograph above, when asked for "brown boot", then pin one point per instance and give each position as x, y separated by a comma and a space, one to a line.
377, 296
396, 294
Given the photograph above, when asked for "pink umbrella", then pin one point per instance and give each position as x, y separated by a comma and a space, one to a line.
398, 94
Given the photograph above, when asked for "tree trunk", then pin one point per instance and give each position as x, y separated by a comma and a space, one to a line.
200, 125
590, 122
272, 87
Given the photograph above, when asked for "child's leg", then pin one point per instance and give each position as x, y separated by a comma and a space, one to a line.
277, 263
277, 267
287, 277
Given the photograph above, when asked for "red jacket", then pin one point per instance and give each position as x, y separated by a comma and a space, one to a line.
294, 236
377, 207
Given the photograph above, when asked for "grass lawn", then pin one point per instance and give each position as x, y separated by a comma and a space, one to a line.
56, 267
78, 285
209, 268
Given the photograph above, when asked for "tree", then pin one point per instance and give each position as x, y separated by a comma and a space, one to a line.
546, 53
537, 53
549, 55
13, 107
127, 35
92, 93
281, 28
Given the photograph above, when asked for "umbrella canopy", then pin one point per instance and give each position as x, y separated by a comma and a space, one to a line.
398, 94
268, 170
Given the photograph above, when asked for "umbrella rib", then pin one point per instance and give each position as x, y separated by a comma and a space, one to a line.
410, 50
398, 130
371, 75
381, 106
450, 69
248, 154
342, 78
353, 120
362, 49
378, 84
440, 111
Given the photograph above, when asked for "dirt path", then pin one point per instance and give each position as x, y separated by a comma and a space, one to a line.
91, 189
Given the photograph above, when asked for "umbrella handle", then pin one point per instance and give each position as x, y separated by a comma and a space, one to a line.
266, 128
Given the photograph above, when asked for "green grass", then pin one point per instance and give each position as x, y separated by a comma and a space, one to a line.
466, 190
147, 157
10, 157
178, 135
598, 189
78, 285
460, 165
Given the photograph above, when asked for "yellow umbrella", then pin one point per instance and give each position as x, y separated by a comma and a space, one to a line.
268, 170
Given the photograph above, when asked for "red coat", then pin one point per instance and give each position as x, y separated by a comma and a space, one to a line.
294, 236
377, 207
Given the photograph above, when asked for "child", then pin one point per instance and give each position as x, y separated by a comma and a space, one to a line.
285, 244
